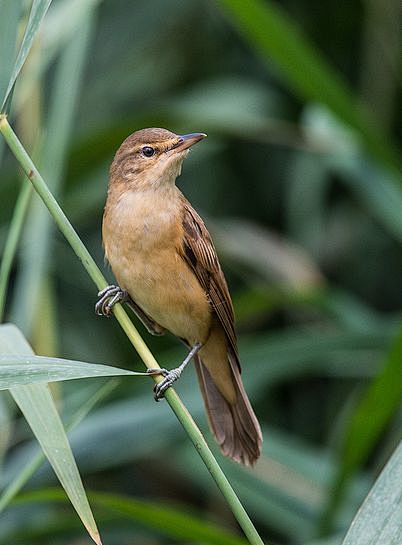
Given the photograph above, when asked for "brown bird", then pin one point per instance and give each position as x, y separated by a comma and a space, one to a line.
168, 272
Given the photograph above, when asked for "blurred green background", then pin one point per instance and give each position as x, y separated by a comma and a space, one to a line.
299, 182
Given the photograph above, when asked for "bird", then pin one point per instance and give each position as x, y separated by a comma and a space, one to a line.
168, 273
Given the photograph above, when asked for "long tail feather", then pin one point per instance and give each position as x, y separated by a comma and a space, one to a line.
234, 426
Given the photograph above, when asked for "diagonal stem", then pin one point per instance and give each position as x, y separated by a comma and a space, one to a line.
147, 357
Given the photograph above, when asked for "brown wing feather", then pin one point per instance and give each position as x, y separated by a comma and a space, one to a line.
234, 425
200, 254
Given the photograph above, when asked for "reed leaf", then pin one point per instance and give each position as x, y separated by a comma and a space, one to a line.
37, 405
38, 12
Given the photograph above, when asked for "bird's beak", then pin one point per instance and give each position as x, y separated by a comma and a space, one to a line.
187, 140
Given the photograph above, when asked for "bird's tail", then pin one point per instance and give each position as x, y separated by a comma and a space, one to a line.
234, 425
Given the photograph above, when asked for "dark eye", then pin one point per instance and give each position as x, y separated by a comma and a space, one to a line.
148, 151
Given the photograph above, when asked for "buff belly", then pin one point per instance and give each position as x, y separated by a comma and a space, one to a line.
147, 263
171, 296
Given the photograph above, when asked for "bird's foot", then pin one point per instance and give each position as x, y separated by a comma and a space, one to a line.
108, 297
169, 378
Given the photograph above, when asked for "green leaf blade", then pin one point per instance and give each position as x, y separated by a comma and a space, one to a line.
379, 520
38, 11
10, 12
21, 370
37, 406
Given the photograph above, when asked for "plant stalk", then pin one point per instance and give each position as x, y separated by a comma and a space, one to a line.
145, 354
13, 237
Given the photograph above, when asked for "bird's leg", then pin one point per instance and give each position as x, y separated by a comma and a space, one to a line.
108, 297
151, 326
111, 295
171, 376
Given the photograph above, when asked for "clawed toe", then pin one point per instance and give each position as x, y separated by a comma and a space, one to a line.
102, 308
106, 290
109, 296
170, 378
158, 371
160, 389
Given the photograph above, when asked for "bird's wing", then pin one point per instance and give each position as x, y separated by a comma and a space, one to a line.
200, 254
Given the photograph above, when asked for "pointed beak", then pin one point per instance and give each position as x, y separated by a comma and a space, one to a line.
187, 140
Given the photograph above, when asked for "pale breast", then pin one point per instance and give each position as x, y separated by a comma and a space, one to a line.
142, 233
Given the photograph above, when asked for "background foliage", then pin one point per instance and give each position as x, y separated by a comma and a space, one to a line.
301, 188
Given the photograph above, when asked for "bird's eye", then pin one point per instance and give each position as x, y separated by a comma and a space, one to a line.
148, 151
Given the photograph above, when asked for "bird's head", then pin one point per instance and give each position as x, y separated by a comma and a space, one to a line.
152, 157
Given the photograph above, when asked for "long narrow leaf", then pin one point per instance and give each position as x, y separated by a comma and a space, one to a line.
20, 370
38, 11
379, 520
37, 405
378, 404
10, 12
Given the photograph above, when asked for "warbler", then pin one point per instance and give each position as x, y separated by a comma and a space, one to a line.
168, 272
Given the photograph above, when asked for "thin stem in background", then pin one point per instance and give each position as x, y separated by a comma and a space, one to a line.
147, 357
13, 237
